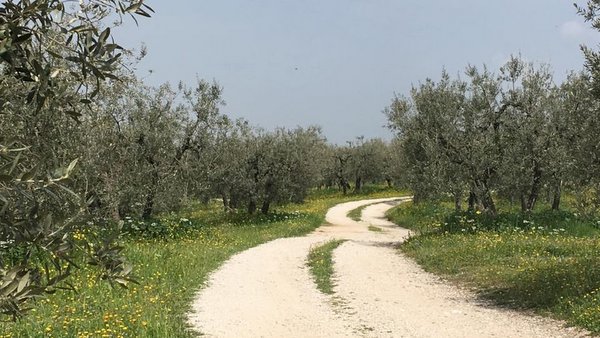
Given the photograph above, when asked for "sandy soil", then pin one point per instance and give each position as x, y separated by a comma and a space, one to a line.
267, 291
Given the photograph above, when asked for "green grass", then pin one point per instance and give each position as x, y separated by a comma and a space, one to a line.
321, 265
355, 214
421, 218
548, 261
375, 229
170, 270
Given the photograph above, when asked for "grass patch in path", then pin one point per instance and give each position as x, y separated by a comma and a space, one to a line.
355, 214
375, 229
547, 262
320, 263
170, 269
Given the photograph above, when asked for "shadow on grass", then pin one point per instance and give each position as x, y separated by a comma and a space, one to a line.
547, 286
546, 261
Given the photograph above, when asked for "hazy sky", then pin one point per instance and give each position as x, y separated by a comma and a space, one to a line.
338, 63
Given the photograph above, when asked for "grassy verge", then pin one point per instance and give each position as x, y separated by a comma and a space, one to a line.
321, 265
547, 262
170, 269
421, 218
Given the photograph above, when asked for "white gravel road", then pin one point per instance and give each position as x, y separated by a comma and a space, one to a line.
267, 291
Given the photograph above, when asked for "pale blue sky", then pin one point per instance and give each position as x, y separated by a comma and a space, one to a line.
337, 63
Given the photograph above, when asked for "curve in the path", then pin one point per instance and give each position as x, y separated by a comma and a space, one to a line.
267, 291
391, 296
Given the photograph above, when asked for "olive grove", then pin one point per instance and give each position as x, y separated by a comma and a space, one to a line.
85, 144
514, 133
510, 133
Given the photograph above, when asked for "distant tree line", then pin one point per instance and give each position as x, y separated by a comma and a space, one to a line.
351, 166
143, 150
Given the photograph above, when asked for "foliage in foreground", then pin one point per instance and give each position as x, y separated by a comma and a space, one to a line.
320, 262
547, 262
170, 270
53, 59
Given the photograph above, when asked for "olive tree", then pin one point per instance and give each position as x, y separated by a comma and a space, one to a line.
257, 169
53, 57
434, 131
281, 167
526, 133
141, 143
367, 160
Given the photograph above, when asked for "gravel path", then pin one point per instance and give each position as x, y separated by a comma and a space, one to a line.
267, 291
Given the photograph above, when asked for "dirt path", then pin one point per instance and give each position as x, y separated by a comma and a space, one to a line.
267, 291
